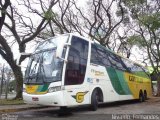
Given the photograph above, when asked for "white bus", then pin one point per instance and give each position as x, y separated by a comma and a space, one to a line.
70, 70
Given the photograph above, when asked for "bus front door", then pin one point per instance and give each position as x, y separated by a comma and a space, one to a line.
75, 88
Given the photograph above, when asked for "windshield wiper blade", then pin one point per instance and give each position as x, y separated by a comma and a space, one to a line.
31, 76
34, 67
43, 73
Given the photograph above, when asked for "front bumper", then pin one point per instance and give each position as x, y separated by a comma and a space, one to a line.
48, 99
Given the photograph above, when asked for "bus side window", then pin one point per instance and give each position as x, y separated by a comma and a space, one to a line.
77, 62
128, 64
94, 56
116, 62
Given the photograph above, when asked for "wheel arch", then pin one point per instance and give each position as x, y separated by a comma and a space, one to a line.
100, 91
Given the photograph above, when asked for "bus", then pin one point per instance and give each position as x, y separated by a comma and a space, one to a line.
71, 70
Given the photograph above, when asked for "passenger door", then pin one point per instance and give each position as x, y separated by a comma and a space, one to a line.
75, 88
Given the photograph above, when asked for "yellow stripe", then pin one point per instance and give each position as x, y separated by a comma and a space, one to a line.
137, 83
32, 89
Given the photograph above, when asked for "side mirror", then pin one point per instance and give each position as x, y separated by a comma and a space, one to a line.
19, 57
59, 51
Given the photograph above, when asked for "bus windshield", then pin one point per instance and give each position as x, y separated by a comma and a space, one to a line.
43, 65
53, 42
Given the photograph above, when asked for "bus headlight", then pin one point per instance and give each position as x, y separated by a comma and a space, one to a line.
54, 89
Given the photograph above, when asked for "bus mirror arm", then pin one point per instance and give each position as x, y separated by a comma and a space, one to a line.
67, 44
60, 51
63, 59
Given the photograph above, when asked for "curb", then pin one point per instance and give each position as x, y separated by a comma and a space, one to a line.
20, 109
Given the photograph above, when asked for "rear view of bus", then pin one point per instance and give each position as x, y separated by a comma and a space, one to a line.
57, 66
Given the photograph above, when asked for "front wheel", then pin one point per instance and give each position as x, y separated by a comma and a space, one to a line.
64, 111
64, 108
94, 100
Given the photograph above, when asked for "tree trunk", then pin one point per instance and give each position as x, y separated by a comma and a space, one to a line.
18, 77
19, 81
158, 86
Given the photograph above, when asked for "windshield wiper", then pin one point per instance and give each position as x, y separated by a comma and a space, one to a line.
31, 76
42, 69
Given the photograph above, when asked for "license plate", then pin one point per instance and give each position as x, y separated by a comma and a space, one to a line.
35, 98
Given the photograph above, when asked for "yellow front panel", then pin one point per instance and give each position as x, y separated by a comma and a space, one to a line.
31, 88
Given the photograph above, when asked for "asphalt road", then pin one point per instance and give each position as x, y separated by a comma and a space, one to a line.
127, 110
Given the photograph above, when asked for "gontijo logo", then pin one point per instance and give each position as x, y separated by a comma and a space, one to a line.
80, 96
135, 79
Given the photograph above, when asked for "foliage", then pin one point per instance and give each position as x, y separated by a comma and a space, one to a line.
136, 40
146, 17
11, 102
151, 20
133, 2
12, 86
49, 15
19, 28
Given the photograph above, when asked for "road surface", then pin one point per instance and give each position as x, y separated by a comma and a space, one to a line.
127, 110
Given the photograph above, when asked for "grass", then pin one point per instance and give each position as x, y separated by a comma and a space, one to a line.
11, 102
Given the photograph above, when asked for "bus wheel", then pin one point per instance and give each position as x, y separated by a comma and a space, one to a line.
64, 111
141, 97
94, 100
145, 95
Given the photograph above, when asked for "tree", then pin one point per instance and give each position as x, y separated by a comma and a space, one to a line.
22, 28
97, 20
146, 15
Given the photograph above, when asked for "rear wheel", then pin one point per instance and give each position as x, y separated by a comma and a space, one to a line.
141, 97
145, 95
94, 100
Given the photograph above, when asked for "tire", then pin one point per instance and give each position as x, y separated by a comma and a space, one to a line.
145, 95
94, 100
141, 97
63, 109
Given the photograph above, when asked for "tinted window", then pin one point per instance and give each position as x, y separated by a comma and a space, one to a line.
100, 56
138, 70
103, 57
95, 58
77, 61
128, 63
116, 62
